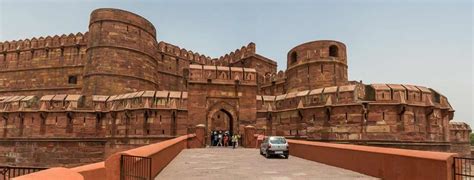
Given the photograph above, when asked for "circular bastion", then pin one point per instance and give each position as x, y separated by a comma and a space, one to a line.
316, 64
122, 49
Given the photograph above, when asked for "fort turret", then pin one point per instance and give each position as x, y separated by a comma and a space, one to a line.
316, 64
121, 51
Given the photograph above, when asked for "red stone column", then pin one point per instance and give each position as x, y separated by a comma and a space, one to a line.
249, 136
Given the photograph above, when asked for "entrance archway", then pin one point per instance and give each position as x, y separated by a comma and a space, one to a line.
221, 117
222, 121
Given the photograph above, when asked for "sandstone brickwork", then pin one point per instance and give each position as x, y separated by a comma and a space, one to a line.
116, 87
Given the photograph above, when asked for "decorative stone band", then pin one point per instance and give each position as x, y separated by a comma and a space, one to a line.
172, 100
317, 61
356, 94
42, 68
125, 48
121, 75
41, 89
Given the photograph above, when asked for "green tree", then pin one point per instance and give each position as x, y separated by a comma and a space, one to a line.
471, 136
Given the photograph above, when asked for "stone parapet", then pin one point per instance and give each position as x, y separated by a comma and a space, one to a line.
222, 74
384, 163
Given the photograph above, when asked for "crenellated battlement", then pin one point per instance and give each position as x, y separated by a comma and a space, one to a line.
48, 42
31, 65
182, 53
460, 132
237, 55
23, 54
274, 77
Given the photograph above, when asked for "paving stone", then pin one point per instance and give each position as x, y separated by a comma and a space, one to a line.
241, 163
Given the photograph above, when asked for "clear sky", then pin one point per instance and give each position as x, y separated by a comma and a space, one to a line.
426, 42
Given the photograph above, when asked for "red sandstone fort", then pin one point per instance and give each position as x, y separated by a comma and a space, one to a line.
75, 99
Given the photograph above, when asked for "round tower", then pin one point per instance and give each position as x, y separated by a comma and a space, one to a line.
120, 53
315, 65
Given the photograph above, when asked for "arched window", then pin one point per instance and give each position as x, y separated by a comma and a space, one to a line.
293, 57
333, 51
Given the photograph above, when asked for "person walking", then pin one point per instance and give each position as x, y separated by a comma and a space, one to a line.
226, 140
237, 138
212, 138
234, 140
219, 139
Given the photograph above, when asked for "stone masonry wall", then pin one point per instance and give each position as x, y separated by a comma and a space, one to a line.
42, 65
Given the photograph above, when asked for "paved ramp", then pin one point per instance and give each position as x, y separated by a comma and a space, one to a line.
242, 164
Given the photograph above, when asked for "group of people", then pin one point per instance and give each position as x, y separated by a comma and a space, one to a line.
223, 139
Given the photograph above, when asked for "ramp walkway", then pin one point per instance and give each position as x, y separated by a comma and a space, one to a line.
244, 163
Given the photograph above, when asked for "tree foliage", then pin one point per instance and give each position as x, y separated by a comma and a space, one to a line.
471, 137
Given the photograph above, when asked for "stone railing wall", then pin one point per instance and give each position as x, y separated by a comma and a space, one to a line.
384, 163
160, 153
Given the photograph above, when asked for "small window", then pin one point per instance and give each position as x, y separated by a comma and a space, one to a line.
293, 57
72, 80
333, 51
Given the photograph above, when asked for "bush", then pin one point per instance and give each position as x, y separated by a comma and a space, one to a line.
471, 137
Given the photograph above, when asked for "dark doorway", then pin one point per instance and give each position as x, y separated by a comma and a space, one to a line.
173, 124
221, 128
222, 121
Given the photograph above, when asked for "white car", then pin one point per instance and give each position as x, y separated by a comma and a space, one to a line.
274, 145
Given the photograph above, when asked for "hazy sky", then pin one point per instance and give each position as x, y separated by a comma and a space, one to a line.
426, 42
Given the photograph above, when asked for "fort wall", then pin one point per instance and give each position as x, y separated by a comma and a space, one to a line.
42, 65
390, 115
66, 152
174, 62
34, 127
273, 84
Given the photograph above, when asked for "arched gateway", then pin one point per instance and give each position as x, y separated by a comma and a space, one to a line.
221, 116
